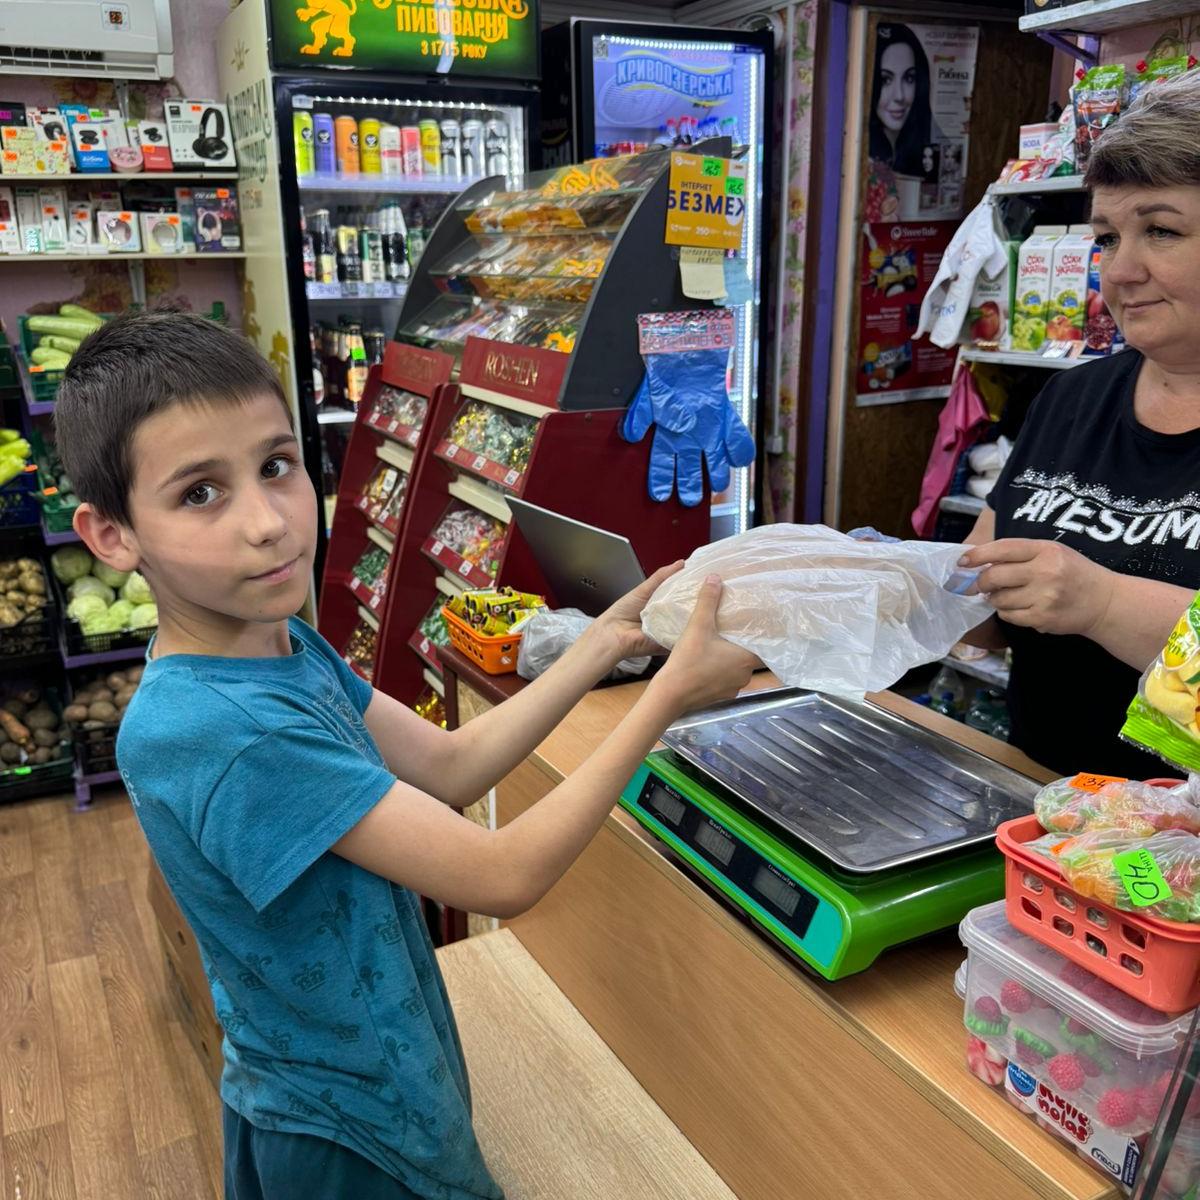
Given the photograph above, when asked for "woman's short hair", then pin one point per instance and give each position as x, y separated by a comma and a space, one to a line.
1156, 143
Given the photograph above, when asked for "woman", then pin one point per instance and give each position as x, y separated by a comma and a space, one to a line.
900, 123
1091, 543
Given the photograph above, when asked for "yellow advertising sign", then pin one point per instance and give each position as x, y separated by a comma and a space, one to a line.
706, 201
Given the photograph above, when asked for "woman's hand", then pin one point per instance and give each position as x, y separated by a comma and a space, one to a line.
621, 625
1043, 585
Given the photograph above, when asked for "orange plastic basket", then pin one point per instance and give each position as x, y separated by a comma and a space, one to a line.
496, 655
1155, 961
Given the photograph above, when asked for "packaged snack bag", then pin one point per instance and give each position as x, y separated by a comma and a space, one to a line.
1162, 716
1097, 105
1157, 70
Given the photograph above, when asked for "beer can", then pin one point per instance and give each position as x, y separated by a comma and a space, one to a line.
496, 147
389, 149
368, 146
472, 148
451, 149
325, 159
431, 147
410, 149
345, 135
302, 135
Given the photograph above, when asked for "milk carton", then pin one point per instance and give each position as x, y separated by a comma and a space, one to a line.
1069, 285
992, 303
1035, 262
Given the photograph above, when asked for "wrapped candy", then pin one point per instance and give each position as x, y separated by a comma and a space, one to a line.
433, 627
506, 438
984, 1062
429, 706
472, 536
404, 407
360, 649
1137, 809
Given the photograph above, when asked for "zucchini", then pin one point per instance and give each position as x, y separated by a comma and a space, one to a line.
63, 326
78, 313
56, 341
53, 360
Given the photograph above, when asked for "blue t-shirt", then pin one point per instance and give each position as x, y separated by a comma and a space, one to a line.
243, 773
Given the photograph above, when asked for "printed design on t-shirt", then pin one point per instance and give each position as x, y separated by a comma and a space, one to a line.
389, 932
395, 1048
347, 1033
1065, 504
338, 914
367, 978
310, 977
251, 975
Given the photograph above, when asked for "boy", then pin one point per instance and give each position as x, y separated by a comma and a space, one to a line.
295, 812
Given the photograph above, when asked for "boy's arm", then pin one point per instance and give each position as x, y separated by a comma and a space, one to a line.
417, 842
460, 766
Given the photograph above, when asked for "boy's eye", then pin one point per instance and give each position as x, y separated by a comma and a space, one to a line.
277, 467
200, 496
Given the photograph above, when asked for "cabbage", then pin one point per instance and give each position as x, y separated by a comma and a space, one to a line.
89, 585
136, 590
101, 622
106, 574
70, 563
142, 616
121, 610
86, 605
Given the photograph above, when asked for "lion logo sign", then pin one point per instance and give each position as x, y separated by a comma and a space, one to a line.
330, 18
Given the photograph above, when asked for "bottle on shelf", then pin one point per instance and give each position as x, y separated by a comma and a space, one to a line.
375, 341
416, 236
349, 261
308, 254
318, 369
948, 683
395, 243
324, 151
323, 246
334, 378
667, 133
357, 366
945, 705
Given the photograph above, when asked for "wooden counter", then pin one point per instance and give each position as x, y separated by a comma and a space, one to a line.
788, 1085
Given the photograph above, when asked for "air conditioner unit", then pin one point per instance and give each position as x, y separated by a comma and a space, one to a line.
110, 39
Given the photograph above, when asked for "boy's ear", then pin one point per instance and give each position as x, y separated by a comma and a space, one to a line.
110, 542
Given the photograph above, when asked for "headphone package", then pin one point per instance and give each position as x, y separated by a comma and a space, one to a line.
81, 224
162, 233
199, 134
54, 143
156, 149
216, 219
53, 203
118, 230
10, 232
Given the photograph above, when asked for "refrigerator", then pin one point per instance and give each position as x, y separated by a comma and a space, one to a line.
614, 88
356, 128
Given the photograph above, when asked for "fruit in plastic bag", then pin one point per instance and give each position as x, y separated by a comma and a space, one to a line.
1139, 809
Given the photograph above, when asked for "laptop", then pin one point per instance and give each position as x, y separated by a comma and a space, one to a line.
587, 568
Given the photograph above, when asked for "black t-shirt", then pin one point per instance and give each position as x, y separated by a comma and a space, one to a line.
1086, 473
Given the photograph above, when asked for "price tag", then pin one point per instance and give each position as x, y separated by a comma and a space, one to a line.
1141, 878
1093, 783
424, 645
511, 478
479, 463
437, 548
464, 568
451, 450
375, 601
393, 426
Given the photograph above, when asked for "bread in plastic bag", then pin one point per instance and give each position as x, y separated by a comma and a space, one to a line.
550, 633
824, 610
1136, 809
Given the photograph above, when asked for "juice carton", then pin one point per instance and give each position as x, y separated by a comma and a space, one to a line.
992, 303
1069, 285
1100, 333
1035, 261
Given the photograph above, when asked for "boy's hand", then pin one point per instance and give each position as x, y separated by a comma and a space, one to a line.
621, 626
704, 668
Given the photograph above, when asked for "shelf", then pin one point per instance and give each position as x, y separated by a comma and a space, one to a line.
406, 435
991, 670
454, 563
425, 650
59, 539
370, 618
1104, 16
1017, 358
381, 539
480, 464
335, 416
133, 177
123, 256
450, 588
363, 594
1037, 187
479, 496
35, 408
966, 506
339, 292
396, 455
412, 185
128, 654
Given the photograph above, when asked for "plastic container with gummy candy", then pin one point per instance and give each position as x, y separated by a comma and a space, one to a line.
1084, 1059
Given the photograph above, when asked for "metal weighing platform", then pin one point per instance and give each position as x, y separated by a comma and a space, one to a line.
837, 827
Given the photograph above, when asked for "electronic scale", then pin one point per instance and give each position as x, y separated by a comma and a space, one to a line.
839, 828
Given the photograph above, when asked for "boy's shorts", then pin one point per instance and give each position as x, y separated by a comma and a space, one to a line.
264, 1165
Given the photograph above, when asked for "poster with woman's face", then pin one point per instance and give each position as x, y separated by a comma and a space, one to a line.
917, 121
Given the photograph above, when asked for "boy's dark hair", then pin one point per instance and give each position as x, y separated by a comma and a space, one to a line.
133, 367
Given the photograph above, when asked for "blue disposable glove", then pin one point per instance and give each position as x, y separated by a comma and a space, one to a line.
683, 395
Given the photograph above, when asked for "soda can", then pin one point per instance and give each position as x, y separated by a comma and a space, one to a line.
389, 150
410, 149
472, 148
345, 136
431, 147
325, 159
496, 147
451, 150
368, 147
603, 149
302, 135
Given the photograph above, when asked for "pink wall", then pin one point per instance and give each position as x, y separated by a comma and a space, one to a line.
29, 287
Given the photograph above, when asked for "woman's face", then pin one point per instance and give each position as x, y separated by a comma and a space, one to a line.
1149, 240
927, 159
897, 87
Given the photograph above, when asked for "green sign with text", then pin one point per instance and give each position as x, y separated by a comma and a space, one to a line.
496, 39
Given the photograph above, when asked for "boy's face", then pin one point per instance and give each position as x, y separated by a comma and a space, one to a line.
224, 513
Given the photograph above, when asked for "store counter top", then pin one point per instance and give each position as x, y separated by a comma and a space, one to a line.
788, 1085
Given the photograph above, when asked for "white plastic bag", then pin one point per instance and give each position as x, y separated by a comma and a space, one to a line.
823, 610
550, 633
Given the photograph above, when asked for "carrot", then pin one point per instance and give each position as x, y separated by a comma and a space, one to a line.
16, 731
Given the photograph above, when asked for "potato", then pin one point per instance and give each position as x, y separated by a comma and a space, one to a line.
41, 718
32, 584
29, 696
17, 707
91, 725
9, 615
15, 597
116, 681
28, 564
10, 752
134, 674
9, 570
102, 710
102, 693
46, 737
76, 712
125, 695
33, 603
41, 755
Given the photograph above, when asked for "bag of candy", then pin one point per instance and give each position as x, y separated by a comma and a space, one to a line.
1086, 803
1097, 104
1162, 716
1156, 71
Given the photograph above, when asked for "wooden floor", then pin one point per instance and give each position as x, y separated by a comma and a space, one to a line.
101, 1095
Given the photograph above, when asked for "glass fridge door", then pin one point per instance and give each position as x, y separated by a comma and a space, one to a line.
1170, 1169
656, 90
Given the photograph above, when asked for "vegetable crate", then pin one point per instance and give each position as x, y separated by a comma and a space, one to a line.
36, 635
59, 517
1154, 961
44, 382
19, 780
20, 783
19, 500
97, 750
80, 643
